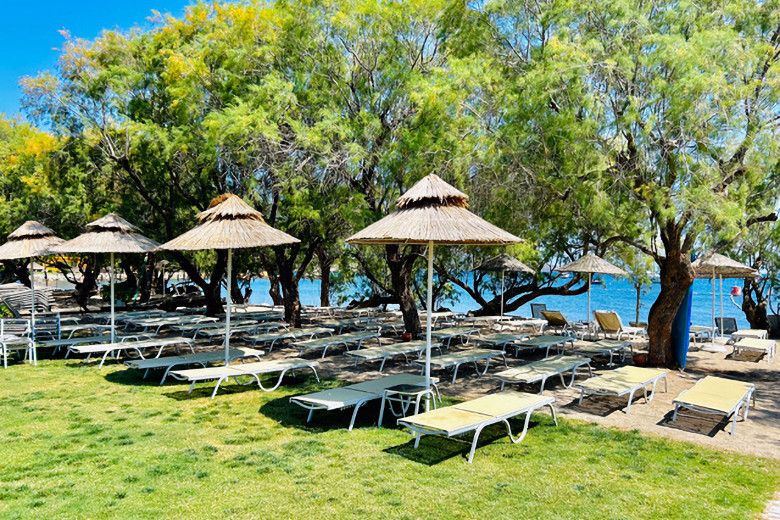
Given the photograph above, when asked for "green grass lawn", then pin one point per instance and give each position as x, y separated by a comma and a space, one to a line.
76, 442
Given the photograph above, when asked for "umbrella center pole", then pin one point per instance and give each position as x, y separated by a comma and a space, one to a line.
32, 306
502, 294
428, 308
111, 274
228, 302
587, 319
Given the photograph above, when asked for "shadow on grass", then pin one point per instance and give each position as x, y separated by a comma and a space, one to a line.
231, 386
436, 449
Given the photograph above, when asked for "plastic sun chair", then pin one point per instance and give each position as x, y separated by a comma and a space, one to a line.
536, 310
610, 323
718, 396
558, 322
726, 326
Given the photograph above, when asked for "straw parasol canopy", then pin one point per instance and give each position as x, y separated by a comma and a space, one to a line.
503, 264
109, 234
591, 264
714, 265
229, 223
29, 240
432, 212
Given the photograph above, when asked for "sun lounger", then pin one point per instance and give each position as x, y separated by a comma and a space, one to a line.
500, 339
168, 363
386, 352
57, 344
699, 332
546, 342
557, 321
253, 370
520, 324
719, 396
475, 415
271, 338
447, 335
542, 370
765, 346
355, 395
455, 359
327, 342
127, 346
622, 381
237, 326
70, 330
395, 326
610, 323
749, 333
605, 347
346, 324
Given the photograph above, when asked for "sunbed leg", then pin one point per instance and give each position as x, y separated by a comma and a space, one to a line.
502, 387
417, 437
216, 387
474, 443
315, 374
582, 394
454, 374
674, 415
381, 365
311, 412
631, 398
192, 385
554, 415
734, 422
354, 415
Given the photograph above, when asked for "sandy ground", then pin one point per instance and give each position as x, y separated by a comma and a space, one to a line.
759, 435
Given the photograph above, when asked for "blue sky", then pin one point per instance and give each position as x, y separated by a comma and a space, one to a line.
29, 33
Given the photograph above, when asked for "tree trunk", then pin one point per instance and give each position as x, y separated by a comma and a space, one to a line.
401, 276
676, 278
325, 265
274, 291
754, 304
290, 293
87, 284
20, 269
146, 281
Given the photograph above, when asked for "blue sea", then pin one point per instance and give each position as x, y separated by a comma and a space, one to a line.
614, 294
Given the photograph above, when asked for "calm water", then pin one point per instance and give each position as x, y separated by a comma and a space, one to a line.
616, 294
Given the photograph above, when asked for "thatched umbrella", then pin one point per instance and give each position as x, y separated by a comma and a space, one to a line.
712, 264
110, 234
30, 240
591, 264
229, 223
432, 212
504, 264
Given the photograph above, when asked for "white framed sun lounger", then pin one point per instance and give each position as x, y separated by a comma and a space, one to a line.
168, 363
70, 330
386, 352
543, 370
327, 342
749, 333
456, 359
718, 396
454, 332
218, 330
477, 414
339, 325
355, 395
394, 325
86, 340
624, 381
271, 338
605, 347
500, 339
546, 342
765, 346
138, 346
171, 322
253, 370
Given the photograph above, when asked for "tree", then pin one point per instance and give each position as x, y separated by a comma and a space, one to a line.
665, 112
